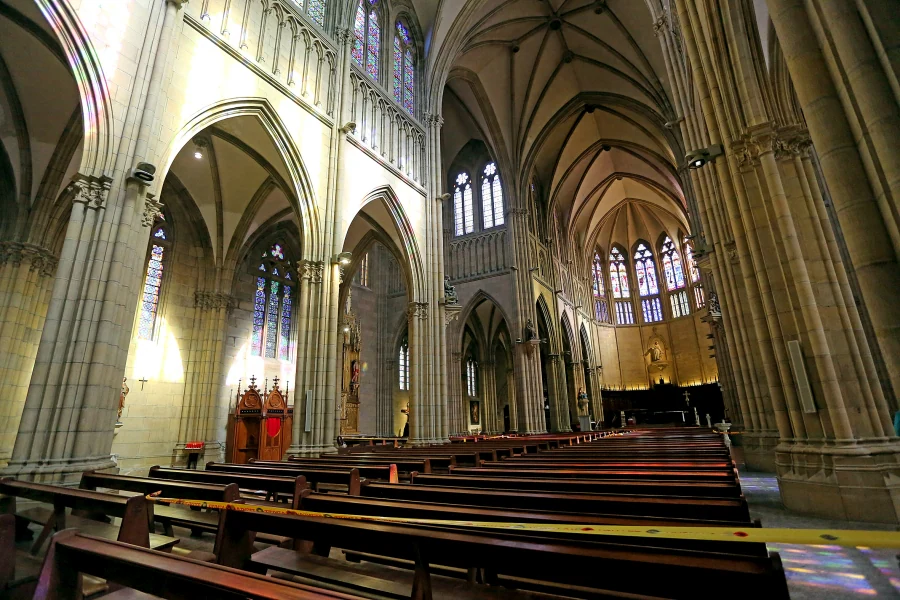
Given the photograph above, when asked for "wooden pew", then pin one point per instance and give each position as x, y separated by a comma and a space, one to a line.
133, 511
314, 477
404, 464
602, 474
168, 516
273, 487
593, 486
508, 558
465, 456
732, 509
156, 573
379, 472
376, 507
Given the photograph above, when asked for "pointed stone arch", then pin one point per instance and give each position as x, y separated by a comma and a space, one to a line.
303, 198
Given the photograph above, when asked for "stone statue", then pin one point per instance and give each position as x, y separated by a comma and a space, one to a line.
530, 331
582, 403
124, 393
655, 352
450, 294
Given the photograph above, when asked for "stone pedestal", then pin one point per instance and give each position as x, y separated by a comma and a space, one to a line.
855, 482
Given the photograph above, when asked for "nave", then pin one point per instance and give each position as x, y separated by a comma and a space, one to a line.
412, 530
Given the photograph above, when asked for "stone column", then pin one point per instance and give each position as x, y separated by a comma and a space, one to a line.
385, 407
513, 404
869, 228
419, 430
26, 280
203, 371
458, 423
488, 398
556, 385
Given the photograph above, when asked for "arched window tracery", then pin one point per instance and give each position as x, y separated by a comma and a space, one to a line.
366, 50
648, 287
491, 197
601, 309
404, 67
463, 212
618, 276
157, 260
273, 302
403, 363
675, 279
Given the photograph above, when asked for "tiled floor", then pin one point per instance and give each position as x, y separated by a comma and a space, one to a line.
823, 571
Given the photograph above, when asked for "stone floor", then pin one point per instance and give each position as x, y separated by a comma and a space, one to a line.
823, 571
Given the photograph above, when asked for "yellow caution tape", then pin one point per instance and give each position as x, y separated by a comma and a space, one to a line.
817, 537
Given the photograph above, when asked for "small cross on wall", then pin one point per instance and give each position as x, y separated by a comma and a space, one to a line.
143, 380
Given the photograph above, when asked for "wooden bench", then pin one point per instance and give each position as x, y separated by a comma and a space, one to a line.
507, 558
601, 474
165, 515
733, 509
348, 478
86, 507
270, 487
376, 507
156, 573
380, 472
404, 464
593, 486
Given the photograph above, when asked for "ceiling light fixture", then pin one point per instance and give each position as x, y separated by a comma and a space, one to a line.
199, 147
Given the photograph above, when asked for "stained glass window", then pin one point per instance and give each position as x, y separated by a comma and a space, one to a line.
601, 309
152, 287
646, 271
672, 265
699, 297
160, 233
285, 338
471, 370
259, 316
404, 80
462, 205
373, 44
652, 309
359, 35
491, 197
403, 364
618, 274
273, 305
689, 257
680, 305
316, 11
618, 277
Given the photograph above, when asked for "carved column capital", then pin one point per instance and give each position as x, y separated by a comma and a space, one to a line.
343, 35
214, 301
418, 310
152, 210
91, 191
40, 259
311, 270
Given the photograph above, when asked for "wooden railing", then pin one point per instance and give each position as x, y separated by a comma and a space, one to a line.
281, 43
383, 127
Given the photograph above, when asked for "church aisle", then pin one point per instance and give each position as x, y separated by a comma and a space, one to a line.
815, 572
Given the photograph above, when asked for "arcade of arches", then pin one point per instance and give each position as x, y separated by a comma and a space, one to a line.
424, 218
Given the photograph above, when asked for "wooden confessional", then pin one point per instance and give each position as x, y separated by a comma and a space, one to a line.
260, 426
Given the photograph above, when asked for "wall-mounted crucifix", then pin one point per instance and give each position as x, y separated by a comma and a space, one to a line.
687, 397
143, 381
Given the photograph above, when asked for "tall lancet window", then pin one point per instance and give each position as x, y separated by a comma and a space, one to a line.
366, 50
404, 68
463, 214
315, 9
403, 363
699, 296
157, 259
491, 197
273, 304
471, 382
648, 288
675, 283
618, 277
601, 309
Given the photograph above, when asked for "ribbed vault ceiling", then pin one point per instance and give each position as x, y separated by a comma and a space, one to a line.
573, 93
